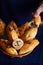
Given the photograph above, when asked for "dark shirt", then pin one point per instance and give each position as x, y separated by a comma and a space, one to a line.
20, 11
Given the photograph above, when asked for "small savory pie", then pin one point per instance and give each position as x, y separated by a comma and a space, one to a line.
34, 22
27, 47
37, 20
13, 24
11, 51
5, 47
29, 34
17, 43
12, 35
22, 28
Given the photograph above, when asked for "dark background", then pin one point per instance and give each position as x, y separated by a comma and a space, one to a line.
20, 11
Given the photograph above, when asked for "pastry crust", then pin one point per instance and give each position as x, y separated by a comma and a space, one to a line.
37, 20
14, 26
4, 45
27, 47
18, 43
2, 27
12, 35
22, 28
29, 34
11, 51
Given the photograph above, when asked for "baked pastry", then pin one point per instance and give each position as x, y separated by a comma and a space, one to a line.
11, 51
2, 27
22, 28
12, 35
35, 22
5, 47
29, 34
13, 24
32, 24
18, 43
29, 46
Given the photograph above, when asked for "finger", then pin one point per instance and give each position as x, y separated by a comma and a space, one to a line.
38, 11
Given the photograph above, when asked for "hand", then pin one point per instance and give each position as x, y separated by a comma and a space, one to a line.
39, 11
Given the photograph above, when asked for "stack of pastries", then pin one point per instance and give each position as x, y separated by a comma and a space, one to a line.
21, 40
